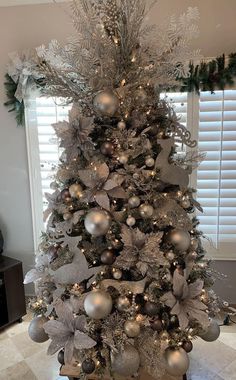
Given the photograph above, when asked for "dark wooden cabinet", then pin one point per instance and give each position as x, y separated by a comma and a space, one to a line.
12, 295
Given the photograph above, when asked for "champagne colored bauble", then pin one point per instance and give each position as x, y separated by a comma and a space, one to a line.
107, 148
180, 239
126, 362
97, 222
108, 256
170, 255
76, 190
123, 158
151, 308
60, 357
67, 216
117, 274
98, 304
122, 303
88, 366
212, 332
121, 125
134, 201
194, 243
149, 162
36, 330
132, 328
176, 361
187, 346
106, 103
146, 211
130, 221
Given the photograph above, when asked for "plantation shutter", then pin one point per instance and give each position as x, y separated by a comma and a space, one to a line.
216, 176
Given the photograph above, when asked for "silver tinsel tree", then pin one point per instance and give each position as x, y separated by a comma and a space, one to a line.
121, 278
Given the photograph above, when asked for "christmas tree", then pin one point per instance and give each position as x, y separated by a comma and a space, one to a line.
121, 278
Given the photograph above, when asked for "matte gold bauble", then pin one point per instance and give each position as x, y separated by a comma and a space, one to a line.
36, 330
106, 103
98, 304
122, 303
123, 158
126, 362
180, 239
97, 222
149, 162
76, 190
146, 211
130, 221
132, 328
176, 361
117, 274
134, 201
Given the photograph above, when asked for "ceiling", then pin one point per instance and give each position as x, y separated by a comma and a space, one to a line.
7, 3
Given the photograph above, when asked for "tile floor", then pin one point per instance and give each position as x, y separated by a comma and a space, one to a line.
22, 359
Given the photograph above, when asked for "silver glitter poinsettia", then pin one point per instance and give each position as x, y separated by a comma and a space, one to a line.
184, 301
67, 332
74, 135
101, 185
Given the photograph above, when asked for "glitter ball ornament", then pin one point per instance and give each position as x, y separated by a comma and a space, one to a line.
97, 222
134, 201
76, 191
212, 332
121, 125
180, 239
187, 346
149, 162
146, 211
122, 303
107, 148
117, 274
88, 366
176, 361
108, 257
151, 308
98, 304
106, 103
36, 330
130, 221
132, 328
126, 362
60, 357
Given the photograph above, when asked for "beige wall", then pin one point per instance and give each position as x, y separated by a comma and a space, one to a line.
25, 27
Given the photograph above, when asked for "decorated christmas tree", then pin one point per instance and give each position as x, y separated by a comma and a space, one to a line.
121, 275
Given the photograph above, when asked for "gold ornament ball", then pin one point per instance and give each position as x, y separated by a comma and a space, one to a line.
130, 221
146, 211
180, 239
123, 158
76, 191
126, 362
122, 303
149, 162
212, 332
176, 361
121, 125
106, 103
132, 328
134, 201
98, 304
36, 330
97, 222
117, 274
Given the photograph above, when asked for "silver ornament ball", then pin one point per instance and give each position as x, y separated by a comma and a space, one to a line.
98, 304
36, 330
75, 190
149, 162
146, 211
122, 303
180, 239
117, 274
176, 361
134, 201
97, 222
126, 362
121, 125
130, 221
132, 328
106, 103
212, 332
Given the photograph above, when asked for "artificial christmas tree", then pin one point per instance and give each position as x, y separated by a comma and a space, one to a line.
121, 274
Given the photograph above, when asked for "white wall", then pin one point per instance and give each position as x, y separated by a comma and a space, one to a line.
28, 26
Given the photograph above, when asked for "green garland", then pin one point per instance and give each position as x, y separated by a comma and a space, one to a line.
207, 76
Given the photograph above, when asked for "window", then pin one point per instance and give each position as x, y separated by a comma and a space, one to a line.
211, 119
